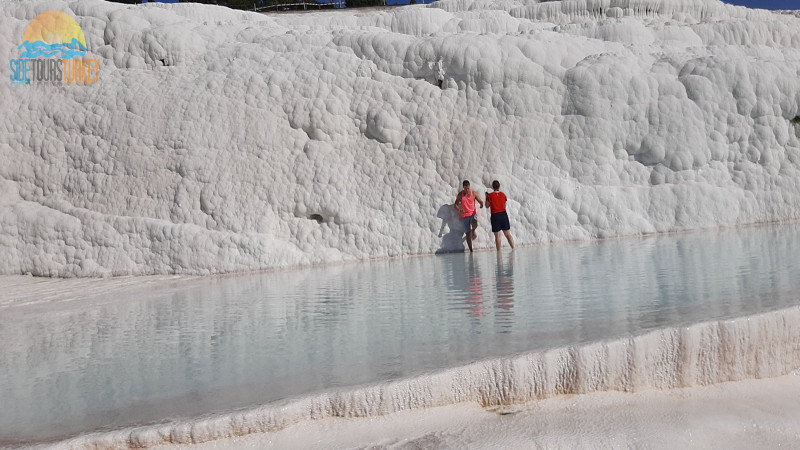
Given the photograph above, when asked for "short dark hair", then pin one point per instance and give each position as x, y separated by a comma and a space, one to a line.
465, 183
495, 185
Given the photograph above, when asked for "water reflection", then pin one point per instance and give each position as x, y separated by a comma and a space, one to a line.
181, 348
475, 287
504, 288
465, 284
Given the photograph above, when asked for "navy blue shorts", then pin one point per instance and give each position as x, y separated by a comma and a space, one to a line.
467, 221
500, 222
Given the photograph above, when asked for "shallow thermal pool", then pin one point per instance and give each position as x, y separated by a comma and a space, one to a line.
83, 355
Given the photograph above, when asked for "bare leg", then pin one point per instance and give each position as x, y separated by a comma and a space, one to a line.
508, 238
497, 240
469, 241
474, 227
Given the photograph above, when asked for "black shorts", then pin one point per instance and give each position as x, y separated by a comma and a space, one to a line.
500, 222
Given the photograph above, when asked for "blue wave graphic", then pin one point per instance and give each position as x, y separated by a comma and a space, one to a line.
39, 49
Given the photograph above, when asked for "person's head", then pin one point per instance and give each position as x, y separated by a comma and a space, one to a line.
466, 185
496, 185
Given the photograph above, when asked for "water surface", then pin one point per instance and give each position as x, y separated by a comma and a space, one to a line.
191, 346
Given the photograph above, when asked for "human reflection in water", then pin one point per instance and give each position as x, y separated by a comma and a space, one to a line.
466, 286
504, 283
475, 288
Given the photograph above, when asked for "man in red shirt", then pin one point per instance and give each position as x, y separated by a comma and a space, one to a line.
497, 202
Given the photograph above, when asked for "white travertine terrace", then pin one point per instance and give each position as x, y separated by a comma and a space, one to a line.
698, 355
219, 141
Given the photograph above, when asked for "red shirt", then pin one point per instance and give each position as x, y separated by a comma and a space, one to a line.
497, 201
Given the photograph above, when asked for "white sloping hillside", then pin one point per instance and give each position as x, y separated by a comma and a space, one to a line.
220, 140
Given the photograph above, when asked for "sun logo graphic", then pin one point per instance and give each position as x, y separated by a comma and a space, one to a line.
53, 53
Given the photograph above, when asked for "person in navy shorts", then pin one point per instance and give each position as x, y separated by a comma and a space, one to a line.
497, 203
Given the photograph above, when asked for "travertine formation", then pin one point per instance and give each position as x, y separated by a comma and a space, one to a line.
762, 346
219, 141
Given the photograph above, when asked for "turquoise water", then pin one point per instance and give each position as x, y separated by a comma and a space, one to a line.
188, 347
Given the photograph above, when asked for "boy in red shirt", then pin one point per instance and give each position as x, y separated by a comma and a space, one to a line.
497, 202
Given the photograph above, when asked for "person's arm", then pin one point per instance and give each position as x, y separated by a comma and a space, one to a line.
478, 198
457, 203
